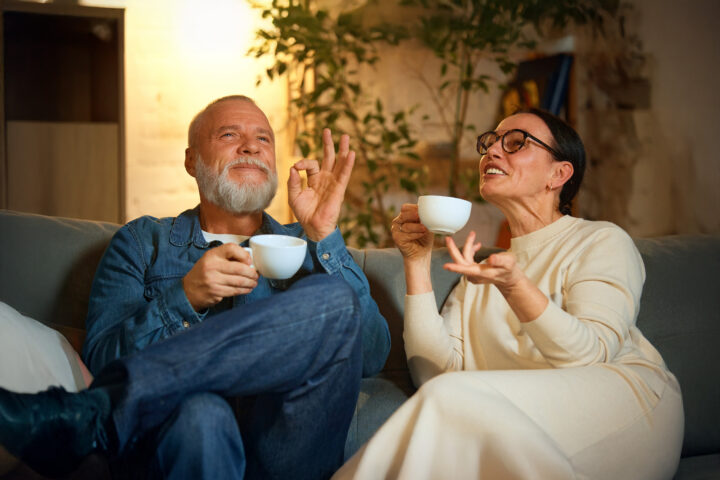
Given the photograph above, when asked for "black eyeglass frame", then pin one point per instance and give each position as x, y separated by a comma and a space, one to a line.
480, 145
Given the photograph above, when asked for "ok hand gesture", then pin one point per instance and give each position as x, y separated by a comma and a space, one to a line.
317, 207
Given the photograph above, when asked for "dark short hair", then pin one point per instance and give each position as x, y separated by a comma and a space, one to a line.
570, 148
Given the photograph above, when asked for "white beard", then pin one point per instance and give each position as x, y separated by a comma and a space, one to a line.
236, 198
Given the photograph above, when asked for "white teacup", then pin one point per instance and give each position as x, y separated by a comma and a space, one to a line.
277, 256
444, 215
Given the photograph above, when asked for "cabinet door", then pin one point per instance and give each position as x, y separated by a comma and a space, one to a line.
54, 168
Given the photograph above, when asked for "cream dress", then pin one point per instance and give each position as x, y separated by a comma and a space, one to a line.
576, 393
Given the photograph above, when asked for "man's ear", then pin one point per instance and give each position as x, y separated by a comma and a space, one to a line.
190, 157
562, 172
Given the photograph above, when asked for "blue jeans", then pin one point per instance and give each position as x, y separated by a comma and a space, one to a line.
295, 361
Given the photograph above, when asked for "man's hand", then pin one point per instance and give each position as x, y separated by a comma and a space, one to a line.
224, 271
317, 207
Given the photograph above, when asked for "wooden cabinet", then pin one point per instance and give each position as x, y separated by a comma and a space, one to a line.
62, 142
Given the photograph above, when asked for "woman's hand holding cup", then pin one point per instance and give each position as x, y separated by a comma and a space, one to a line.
412, 238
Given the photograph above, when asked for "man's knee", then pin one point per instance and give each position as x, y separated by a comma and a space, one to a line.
330, 297
200, 416
324, 286
200, 440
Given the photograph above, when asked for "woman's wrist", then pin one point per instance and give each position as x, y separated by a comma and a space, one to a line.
417, 275
525, 299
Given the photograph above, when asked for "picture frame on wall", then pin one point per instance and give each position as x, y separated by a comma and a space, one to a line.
539, 82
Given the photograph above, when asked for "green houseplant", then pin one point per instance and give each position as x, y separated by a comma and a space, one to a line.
463, 33
323, 56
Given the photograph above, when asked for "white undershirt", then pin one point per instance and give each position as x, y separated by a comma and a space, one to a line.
224, 237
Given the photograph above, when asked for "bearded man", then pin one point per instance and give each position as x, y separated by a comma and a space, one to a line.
204, 368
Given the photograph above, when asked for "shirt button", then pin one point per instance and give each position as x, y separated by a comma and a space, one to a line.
325, 256
186, 324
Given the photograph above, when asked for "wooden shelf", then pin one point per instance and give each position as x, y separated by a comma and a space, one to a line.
62, 143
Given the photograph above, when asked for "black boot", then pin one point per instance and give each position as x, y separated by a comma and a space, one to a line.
52, 431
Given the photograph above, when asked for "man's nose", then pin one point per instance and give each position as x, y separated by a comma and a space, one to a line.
249, 146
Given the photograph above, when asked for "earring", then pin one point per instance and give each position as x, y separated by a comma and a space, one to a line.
548, 188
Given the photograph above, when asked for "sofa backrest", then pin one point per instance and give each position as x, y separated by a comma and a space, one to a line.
680, 315
47, 265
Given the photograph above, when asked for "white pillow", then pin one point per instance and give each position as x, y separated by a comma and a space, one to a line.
32, 358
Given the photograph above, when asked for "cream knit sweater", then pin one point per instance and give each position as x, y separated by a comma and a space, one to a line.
593, 276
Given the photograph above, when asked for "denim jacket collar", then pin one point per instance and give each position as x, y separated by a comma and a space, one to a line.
186, 229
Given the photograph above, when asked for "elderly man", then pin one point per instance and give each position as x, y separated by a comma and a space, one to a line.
181, 326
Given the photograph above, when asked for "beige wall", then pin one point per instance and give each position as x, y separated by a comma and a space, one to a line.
671, 182
654, 168
180, 55
683, 43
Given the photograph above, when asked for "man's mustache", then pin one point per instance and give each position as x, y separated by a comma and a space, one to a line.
247, 161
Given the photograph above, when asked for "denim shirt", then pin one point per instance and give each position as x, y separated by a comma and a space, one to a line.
137, 296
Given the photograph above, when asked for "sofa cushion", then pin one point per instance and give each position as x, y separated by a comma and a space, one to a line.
680, 315
32, 358
701, 467
379, 397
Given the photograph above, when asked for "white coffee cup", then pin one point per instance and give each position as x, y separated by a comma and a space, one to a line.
444, 215
277, 256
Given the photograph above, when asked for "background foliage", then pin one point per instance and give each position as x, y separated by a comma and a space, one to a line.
323, 55
463, 33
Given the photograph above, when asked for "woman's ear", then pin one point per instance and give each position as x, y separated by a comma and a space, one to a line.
190, 161
562, 172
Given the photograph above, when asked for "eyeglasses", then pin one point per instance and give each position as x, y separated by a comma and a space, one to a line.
511, 141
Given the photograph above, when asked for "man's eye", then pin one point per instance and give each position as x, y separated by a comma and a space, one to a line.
264, 139
226, 135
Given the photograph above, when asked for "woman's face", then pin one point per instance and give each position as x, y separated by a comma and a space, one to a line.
522, 176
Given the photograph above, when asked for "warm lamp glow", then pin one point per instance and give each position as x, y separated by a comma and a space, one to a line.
180, 55
218, 29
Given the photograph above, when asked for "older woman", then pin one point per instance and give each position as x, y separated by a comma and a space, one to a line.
534, 368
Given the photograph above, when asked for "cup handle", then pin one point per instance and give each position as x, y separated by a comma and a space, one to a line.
249, 250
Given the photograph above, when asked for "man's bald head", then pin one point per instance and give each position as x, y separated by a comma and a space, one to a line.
196, 123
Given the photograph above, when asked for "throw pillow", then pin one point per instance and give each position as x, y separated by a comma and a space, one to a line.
32, 358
